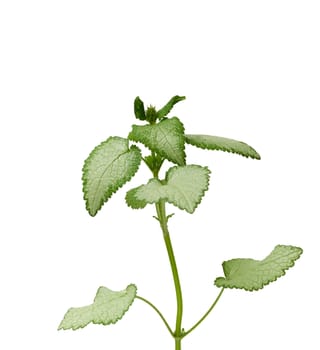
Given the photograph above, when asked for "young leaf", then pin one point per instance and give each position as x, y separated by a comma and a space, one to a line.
154, 162
183, 187
252, 274
109, 166
139, 109
151, 115
108, 307
165, 138
167, 108
222, 144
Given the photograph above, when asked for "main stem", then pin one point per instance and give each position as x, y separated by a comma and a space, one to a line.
161, 211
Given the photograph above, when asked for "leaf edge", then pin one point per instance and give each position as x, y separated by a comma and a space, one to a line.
60, 327
107, 194
255, 154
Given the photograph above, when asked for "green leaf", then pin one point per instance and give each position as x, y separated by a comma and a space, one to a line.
108, 167
167, 108
154, 161
139, 109
165, 138
151, 115
222, 144
108, 307
183, 187
252, 274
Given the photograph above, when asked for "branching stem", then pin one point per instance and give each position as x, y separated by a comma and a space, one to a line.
162, 217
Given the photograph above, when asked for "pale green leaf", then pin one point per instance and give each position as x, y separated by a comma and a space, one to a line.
222, 144
183, 187
252, 274
108, 307
109, 166
167, 108
165, 138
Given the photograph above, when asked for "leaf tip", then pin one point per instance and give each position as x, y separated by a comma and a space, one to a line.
255, 154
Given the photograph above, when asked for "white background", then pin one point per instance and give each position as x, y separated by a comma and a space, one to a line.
69, 73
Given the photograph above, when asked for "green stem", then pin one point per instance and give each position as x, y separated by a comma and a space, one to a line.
205, 315
158, 312
161, 211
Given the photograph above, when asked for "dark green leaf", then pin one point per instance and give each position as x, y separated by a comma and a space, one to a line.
151, 115
167, 108
139, 109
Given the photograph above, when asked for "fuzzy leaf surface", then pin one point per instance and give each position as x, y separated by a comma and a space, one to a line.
183, 187
222, 144
165, 110
108, 307
108, 167
250, 274
165, 138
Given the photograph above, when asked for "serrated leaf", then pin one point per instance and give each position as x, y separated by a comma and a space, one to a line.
222, 144
165, 110
108, 307
108, 167
165, 138
139, 109
183, 187
250, 274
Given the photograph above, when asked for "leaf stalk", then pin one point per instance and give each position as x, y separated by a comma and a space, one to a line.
205, 315
158, 312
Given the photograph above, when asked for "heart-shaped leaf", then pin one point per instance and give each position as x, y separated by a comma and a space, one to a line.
165, 138
183, 187
108, 307
252, 274
108, 167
